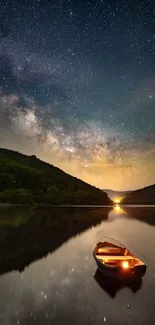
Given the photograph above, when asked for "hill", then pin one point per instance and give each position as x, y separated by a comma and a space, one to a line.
27, 179
113, 194
145, 195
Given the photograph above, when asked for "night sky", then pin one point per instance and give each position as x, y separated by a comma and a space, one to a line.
77, 87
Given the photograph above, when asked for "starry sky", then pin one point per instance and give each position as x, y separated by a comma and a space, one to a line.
77, 87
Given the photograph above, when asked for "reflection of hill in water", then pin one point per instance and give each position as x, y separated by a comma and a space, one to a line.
30, 234
144, 214
112, 286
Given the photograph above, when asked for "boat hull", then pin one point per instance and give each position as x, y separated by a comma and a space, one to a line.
117, 272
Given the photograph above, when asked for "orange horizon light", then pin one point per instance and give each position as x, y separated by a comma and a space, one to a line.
117, 200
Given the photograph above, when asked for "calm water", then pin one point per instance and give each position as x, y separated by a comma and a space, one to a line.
47, 269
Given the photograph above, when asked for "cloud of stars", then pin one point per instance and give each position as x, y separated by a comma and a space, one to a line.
77, 87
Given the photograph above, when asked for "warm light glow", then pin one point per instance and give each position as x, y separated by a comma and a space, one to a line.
117, 200
125, 265
100, 250
118, 209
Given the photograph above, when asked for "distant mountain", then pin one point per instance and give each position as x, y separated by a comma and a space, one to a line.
27, 179
113, 194
145, 195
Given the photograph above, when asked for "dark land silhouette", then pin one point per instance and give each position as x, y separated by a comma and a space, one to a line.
145, 195
27, 179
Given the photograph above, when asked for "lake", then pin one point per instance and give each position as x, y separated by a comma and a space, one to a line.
48, 274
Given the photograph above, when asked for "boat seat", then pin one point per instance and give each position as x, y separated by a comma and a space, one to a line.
117, 257
110, 251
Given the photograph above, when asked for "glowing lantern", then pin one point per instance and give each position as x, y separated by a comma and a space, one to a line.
125, 265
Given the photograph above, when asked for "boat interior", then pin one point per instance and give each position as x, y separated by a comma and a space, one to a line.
113, 255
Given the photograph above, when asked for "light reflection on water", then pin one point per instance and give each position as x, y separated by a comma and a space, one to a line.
61, 288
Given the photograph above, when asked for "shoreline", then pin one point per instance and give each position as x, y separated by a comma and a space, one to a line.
74, 205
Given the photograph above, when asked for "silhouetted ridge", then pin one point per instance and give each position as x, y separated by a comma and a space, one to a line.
145, 195
27, 179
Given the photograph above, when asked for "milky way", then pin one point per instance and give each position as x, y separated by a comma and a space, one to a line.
77, 87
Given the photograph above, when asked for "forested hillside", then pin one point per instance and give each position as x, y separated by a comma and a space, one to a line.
26, 179
145, 195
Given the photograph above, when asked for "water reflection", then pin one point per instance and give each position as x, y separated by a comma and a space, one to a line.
57, 286
118, 209
112, 286
144, 214
30, 234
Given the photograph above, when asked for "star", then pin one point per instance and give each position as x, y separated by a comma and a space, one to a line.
76, 93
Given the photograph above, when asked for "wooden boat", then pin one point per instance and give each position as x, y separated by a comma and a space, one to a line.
113, 259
